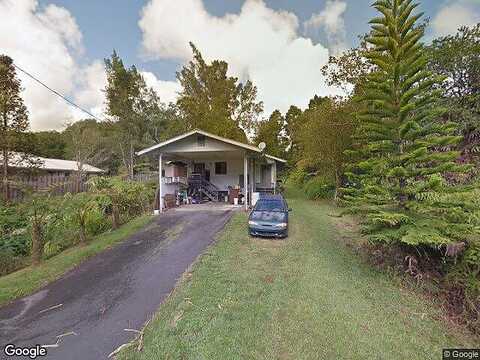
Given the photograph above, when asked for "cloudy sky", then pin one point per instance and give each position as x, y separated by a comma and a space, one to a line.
279, 44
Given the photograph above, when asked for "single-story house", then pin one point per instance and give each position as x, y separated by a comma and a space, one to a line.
213, 167
47, 166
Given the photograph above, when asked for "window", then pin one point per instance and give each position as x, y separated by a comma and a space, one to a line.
221, 168
201, 140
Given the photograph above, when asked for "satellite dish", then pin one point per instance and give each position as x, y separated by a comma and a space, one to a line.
262, 146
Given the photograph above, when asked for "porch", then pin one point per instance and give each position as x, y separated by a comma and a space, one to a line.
231, 178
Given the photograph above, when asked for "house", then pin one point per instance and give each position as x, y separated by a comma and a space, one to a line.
46, 166
207, 166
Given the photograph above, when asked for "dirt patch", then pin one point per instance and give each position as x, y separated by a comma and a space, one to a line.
269, 279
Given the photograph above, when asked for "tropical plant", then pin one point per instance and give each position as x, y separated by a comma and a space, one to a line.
80, 206
39, 211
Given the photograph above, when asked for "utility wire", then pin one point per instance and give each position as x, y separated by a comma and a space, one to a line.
57, 93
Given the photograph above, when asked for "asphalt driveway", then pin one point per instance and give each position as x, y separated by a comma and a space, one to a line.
118, 289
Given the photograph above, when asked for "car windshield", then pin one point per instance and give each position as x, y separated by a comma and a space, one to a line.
269, 216
270, 205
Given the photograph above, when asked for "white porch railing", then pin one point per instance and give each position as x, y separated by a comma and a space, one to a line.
175, 180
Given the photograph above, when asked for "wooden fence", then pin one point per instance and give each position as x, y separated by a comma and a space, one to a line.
52, 183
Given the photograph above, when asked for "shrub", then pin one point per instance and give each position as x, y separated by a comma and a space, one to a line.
14, 237
60, 221
9, 262
319, 187
296, 177
123, 199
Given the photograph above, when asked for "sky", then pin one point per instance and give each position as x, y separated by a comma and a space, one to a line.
278, 44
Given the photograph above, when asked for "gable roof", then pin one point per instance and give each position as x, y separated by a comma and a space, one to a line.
17, 161
207, 134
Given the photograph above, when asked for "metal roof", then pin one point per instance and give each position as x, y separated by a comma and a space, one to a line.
16, 160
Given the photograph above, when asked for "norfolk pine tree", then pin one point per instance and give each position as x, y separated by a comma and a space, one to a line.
403, 154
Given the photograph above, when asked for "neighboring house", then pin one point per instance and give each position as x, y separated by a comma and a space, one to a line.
212, 167
40, 166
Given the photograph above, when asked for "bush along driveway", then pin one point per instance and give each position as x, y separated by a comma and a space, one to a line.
99, 305
309, 297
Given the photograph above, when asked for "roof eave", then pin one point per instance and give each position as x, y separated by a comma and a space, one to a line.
197, 131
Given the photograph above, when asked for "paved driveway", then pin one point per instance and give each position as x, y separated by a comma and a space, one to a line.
115, 290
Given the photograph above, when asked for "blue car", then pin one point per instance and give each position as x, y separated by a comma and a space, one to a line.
269, 217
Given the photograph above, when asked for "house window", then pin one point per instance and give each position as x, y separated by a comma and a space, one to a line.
201, 140
221, 168
163, 172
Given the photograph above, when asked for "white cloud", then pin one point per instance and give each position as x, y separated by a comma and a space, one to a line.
259, 43
453, 16
331, 21
46, 43
90, 94
166, 90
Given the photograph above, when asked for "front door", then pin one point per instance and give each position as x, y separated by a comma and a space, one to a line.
266, 175
199, 168
207, 175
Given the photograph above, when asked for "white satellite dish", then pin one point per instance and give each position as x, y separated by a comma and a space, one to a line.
262, 146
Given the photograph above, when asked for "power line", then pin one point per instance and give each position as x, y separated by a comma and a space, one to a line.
57, 93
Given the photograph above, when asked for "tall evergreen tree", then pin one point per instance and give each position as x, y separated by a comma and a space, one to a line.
13, 116
402, 157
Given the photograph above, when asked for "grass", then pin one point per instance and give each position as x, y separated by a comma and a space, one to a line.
310, 297
30, 279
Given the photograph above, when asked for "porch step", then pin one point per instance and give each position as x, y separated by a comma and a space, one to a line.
211, 196
203, 187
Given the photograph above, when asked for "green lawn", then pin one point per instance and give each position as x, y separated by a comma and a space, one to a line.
30, 279
310, 297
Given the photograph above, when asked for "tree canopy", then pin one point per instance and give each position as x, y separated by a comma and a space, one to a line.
213, 101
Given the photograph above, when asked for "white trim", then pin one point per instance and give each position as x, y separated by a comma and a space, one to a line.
160, 183
201, 132
276, 159
245, 181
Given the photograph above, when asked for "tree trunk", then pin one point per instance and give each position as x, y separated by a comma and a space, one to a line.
83, 233
132, 160
5, 174
37, 243
115, 216
338, 184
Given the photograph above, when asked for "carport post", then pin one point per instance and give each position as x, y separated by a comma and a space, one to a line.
160, 183
245, 181
274, 177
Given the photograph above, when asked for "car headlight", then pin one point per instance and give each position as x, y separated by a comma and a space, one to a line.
281, 225
253, 223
